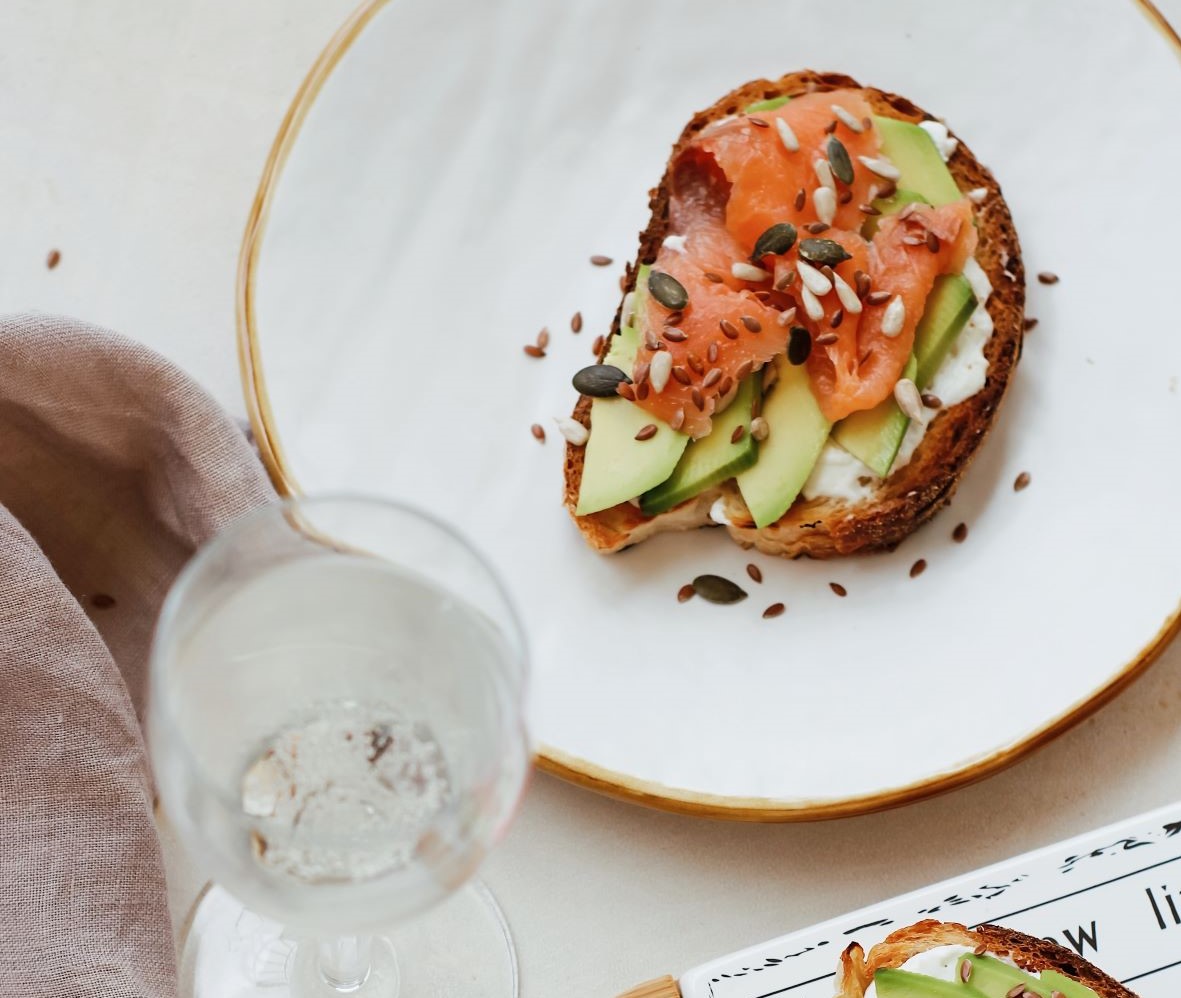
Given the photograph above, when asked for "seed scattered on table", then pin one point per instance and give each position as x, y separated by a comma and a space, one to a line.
533, 350
960, 534
686, 592
538, 432
717, 589
774, 610
601, 261
543, 338
53, 259
1047, 277
1022, 481
102, 601
754, 572
576, 323
918, 568
597, 345
837, 588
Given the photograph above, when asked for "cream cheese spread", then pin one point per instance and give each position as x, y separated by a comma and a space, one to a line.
941, 137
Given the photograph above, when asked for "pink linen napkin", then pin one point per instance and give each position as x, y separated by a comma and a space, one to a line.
114, 467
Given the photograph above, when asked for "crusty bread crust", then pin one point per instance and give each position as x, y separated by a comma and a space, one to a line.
1030, 953
823, 527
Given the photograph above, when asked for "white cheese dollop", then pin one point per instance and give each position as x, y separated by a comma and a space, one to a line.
717, 513
839, 475
939, 962
675, 243
940, 136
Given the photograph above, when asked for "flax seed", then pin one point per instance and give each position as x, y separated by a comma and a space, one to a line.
837, 588
918, 568
960, 534
534, 351
774, 610
601, 261
538, 432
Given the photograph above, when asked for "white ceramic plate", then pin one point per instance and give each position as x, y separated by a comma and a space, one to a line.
431, 203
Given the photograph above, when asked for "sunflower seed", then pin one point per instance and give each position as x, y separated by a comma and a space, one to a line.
977, 194
824, 339
752, 324
931, 401
729, 330
575, 433
1045, 277
717, 589
686, 592
906, 394
599, 380
801, 199
837, 318
814, 281
667, 290
778, 239
877, 297
749, 272
576, 322
533, 351
678, 419
774, 610
787, 318
812, 307
916, 570
601, 261
847, 118
759, 428
881, 166
824, 201
824, 174
646, 432
713, 376
848, 297
738, 434
1022, 481
627, 311
799, 346
894, 317
838, 160
960, 534
659, 370
837, 588
787, 136
823, 252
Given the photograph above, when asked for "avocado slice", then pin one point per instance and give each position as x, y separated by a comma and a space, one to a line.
890, 982
994, 978
1070, 988
765, 105
713, 458
913, 151
797, 433
873, 436
616, 466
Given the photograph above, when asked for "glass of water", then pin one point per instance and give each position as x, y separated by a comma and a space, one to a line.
337, 728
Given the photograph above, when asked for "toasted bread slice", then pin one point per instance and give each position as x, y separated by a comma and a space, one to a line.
826, 527
1027, 952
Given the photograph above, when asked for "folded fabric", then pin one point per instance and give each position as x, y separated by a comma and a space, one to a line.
114, 468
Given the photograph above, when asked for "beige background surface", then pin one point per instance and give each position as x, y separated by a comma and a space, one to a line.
133, 136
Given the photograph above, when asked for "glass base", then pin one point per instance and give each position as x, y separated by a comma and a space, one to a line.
460, 949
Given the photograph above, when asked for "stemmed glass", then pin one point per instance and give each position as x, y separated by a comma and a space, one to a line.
337, 728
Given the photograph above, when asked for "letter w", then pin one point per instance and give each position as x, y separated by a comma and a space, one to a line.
1084, 939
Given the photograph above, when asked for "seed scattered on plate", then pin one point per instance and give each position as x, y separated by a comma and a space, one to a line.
774, 610
538, 432
1022, 481
1046, 277
601, 261
597, 344
918, 568
53, 259
646, 432
1029, 324
754, 572
717, 589
532, 350
686, 593
837, 588
576, 323
960, 534
543, 338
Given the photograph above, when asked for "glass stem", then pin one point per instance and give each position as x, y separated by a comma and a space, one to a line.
345, 962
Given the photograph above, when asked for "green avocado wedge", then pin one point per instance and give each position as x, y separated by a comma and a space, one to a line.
616, 466
892, 983
994, 978
796, 436
765, 105
873, 436
712, 459
914, 153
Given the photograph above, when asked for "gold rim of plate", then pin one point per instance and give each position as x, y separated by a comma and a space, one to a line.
551, 760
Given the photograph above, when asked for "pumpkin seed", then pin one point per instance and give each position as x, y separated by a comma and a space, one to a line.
718, 590
599, 381
838, 159
777, 239
667, 290
799, 346
823, 251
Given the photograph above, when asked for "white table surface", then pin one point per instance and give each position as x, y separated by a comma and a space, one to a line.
133, 137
